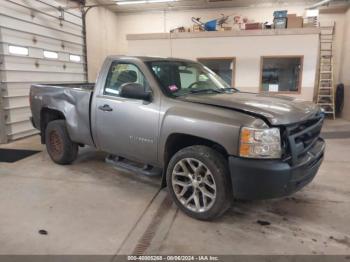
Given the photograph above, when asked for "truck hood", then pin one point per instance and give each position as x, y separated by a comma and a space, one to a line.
277, 110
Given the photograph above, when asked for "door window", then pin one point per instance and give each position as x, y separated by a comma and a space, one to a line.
122, 73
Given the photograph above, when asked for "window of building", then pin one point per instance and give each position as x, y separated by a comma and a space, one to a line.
281, 74
224, 67
18, 50
74, 58
50, 54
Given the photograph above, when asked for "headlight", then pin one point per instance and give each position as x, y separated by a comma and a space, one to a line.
260, 143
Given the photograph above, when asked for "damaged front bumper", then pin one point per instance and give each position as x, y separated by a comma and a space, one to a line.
263, 179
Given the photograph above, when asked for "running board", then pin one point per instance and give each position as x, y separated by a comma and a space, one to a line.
128, 165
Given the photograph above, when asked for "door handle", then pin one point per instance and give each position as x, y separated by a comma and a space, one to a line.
105, 108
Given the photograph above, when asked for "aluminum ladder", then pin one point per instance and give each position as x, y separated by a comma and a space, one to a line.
326, 90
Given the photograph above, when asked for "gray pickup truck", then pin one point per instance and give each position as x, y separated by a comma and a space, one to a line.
211, 142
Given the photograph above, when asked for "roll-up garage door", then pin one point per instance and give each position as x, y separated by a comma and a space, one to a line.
39, 43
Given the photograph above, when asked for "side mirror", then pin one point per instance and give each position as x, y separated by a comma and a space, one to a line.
135, 91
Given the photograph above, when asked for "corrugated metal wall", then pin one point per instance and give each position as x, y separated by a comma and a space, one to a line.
36, 26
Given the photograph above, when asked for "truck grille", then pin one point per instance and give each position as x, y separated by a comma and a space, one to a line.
301, 137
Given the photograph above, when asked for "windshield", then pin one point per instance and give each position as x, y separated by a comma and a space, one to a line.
180, 78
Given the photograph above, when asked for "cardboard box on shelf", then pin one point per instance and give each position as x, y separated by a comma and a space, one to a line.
180, 29
225, 28
236, 27
253, 26
197, 28
309, 25
294, 21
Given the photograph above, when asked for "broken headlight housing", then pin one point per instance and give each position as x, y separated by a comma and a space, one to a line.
260, 143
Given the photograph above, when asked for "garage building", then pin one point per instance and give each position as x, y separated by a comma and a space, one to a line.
284, 48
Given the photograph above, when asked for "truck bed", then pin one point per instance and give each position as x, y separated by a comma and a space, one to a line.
84, 86
72, 100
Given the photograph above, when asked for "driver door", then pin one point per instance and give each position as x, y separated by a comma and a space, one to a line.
126, 127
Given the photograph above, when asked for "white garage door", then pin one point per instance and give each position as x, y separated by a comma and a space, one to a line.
38, 44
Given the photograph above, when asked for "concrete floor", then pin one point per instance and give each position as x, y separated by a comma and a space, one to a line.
91, 208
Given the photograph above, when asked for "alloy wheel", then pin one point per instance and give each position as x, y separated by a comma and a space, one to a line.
193, 185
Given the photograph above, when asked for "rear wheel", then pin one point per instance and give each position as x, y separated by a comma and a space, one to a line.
60, 147
197, 179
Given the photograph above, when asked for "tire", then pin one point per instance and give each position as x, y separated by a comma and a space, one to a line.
60, 147
212, 178
339, 99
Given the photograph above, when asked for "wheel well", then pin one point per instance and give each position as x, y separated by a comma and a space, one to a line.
176, 142
47, 115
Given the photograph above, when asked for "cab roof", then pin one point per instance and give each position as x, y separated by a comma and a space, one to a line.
149, 58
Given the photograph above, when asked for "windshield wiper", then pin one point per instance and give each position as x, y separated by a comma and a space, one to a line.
195, 91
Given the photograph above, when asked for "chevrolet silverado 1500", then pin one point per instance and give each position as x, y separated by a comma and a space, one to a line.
212, 142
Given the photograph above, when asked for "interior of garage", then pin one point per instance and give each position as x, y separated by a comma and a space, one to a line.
122, 30
130, 23
94, 208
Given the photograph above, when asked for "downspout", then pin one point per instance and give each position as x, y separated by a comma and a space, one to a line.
84, 12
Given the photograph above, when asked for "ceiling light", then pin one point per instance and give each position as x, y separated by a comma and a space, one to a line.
160, 1
131, 2
143, 2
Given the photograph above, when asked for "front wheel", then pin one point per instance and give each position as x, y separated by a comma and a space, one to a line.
197, 179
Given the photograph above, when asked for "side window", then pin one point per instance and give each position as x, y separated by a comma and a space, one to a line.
122, 73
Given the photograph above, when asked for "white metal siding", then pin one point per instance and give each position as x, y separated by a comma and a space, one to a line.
36, 25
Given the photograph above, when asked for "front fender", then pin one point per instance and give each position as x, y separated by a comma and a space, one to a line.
206, 125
